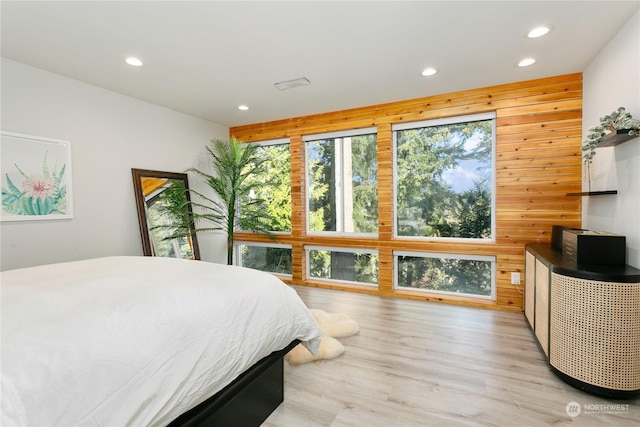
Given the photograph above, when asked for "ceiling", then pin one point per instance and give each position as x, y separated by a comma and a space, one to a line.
205, 58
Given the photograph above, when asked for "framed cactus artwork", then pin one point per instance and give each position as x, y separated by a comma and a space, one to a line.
36, 178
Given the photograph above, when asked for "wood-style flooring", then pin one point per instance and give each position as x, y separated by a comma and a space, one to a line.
430, 364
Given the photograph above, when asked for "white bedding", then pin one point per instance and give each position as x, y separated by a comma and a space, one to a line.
135, 341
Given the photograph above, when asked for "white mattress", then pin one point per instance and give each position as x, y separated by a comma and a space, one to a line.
135, 341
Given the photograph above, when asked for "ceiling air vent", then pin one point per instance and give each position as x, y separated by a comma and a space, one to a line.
290, 84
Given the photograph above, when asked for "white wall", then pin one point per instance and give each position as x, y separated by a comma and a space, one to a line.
610, 81
109, 135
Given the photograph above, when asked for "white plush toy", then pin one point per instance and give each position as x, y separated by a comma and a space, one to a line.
332, 326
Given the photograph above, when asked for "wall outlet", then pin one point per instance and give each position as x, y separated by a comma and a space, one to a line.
515, 278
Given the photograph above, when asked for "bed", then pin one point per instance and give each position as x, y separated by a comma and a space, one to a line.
145, 341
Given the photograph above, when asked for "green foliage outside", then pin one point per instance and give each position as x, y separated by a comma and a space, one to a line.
428, 205
273, 185
354, 267
325, 193
443, 189
272, 259
431, 203
343, 178
443, 274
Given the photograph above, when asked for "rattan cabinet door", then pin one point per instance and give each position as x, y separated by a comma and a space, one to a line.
542, 306
530, 288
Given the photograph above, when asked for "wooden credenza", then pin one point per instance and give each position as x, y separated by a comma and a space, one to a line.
586, 319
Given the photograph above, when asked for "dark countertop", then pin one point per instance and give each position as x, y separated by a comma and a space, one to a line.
561, 264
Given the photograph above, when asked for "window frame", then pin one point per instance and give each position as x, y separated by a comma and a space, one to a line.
440, 122
333, 135
441, 255
238, 253
308, 248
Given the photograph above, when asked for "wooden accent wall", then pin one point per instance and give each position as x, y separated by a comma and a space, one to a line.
538, 161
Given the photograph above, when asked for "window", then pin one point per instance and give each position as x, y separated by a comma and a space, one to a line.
275, 186
342, 264
274, 258
342, 174
458, 274
444, 178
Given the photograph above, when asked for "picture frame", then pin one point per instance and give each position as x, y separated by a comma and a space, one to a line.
36, 178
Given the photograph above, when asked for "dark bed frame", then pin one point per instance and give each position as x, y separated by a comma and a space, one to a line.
247, 401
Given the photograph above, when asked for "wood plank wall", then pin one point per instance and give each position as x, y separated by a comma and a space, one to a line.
538, 161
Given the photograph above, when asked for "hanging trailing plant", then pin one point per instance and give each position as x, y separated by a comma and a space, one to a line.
620, 119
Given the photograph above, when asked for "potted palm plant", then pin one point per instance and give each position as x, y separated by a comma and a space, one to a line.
232, 163
233, 204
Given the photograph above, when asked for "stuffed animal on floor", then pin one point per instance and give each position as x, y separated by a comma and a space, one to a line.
332, 326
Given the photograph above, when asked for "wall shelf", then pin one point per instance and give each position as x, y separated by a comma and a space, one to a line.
593, 193
611, 140
617, 138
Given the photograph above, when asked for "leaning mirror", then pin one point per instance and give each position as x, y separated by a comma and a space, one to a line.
162, 199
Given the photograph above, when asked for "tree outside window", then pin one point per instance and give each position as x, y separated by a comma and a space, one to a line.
441, 273
444, 180
342, 188
273, 258
274, 186
343, 264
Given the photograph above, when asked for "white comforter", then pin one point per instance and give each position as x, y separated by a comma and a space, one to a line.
135, 341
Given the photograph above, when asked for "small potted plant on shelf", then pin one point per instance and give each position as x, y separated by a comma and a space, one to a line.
619, 121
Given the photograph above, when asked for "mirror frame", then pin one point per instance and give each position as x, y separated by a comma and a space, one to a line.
138, 174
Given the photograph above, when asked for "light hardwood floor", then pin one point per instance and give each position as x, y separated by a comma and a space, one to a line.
428, 364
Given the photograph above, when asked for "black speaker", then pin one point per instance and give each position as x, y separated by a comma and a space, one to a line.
556, 235
594, 247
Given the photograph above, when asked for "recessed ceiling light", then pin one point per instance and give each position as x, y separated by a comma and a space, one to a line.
133, 61
526, 62
539, 31
243, 107
429, 71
